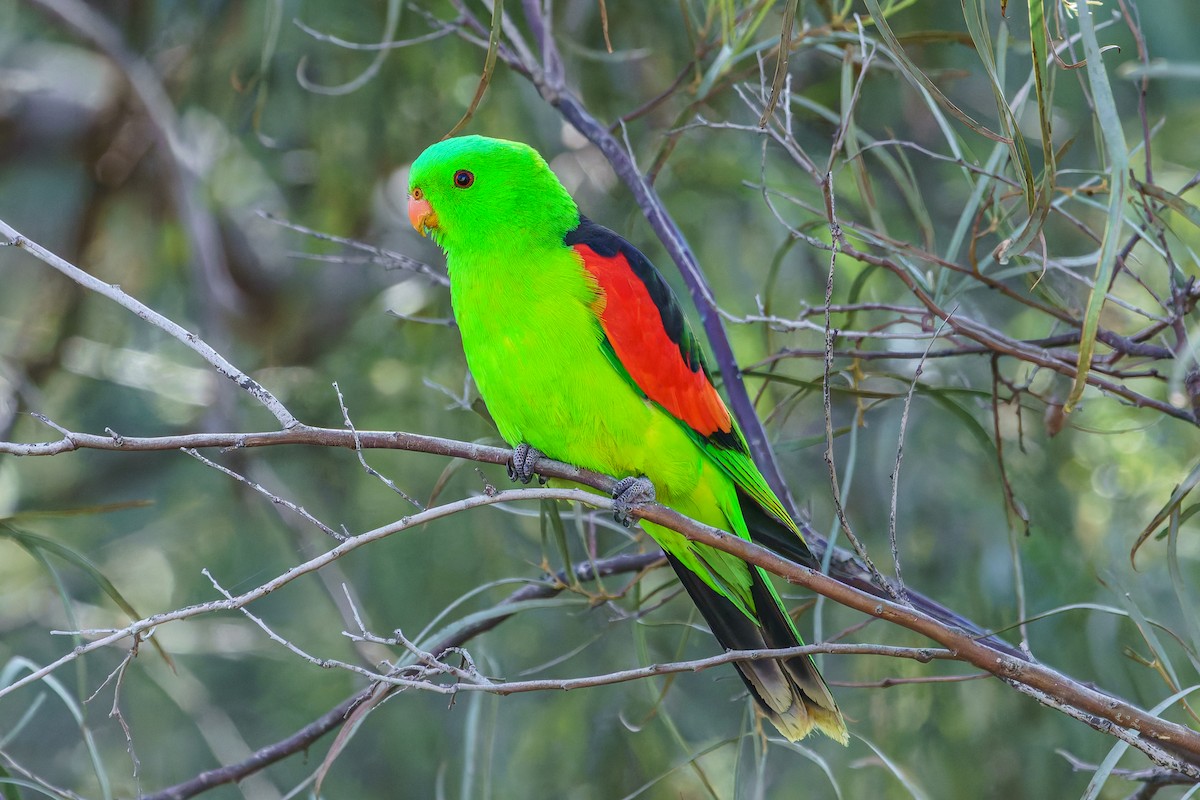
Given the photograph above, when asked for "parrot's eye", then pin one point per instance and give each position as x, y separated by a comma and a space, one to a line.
463, 179
417, 194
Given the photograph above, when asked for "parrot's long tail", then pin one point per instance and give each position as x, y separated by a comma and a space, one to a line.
790, 691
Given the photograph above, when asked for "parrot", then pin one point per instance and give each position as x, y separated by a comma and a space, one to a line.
582, 354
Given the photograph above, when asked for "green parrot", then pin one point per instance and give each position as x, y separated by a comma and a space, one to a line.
581, 352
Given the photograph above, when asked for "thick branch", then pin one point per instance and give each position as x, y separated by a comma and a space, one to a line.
1099, 710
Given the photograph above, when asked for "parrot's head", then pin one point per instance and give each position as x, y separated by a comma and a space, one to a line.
474, 192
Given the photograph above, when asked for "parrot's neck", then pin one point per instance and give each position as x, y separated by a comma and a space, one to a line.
516, 282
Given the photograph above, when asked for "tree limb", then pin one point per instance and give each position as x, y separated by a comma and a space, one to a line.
1106, 713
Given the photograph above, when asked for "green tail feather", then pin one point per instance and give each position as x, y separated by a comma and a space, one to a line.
790, 692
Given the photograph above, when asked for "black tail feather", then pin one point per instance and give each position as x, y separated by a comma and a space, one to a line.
789, 691
772, 534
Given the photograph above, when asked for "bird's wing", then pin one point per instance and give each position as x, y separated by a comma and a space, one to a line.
648, 340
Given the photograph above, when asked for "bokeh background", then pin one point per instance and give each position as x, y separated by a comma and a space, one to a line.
271, 115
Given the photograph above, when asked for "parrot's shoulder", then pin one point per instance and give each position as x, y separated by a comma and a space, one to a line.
648, 338
610, 257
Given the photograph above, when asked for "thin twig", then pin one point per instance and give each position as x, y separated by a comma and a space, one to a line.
830, 333
465, 680
333, 719
362, 459
895, 477
887, 683
49, 789
279, 501
388, 259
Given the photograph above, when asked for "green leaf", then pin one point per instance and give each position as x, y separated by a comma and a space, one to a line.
552, 519
1173, 201
1117, 153
918, 77
981, 36
73, 707
964, 415
36, 544
1174, 70
781, 60
81, 511
8, 787
906, 780
1180, 492
1038, 197
1182, 588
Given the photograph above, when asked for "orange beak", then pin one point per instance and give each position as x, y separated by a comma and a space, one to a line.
420, 213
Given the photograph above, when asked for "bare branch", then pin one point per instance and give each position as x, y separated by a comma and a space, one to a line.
302, 739
466, 681
279, 501
119, 296
109, 637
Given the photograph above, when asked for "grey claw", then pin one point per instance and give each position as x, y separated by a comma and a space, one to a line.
521, 465
628, 494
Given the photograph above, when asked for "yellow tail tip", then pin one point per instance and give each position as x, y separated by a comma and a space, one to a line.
802, 719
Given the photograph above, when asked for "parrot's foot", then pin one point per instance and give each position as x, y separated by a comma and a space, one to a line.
628, 494
524, 458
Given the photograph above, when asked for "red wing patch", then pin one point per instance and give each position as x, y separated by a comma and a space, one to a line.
661, 366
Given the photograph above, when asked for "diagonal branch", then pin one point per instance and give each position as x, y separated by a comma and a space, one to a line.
115, 293
1168, 744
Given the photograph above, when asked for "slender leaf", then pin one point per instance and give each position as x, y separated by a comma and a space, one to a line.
910, 785
1117, 153
36, 543
918, 77
1173, 201
1177, 495
1105, 769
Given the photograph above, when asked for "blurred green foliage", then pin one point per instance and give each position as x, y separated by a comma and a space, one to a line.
82, 174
